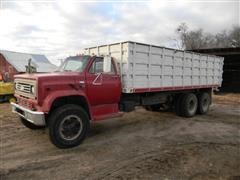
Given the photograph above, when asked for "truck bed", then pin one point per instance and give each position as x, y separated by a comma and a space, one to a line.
147, 68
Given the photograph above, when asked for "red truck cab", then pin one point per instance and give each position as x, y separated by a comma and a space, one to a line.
79, 83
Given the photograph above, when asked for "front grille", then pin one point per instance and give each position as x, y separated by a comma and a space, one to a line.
22, 87
26, 88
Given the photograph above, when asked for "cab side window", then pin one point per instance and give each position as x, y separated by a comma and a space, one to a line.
97, 66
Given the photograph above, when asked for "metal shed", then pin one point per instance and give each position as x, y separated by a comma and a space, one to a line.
12, 63
231, 68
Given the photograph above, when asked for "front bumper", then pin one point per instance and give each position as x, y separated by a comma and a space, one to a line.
34, 117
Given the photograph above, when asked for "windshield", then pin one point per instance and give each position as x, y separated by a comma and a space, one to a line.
74, 64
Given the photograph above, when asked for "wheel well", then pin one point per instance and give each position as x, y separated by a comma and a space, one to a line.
77, 100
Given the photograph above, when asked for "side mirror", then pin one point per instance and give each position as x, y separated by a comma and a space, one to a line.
107, 64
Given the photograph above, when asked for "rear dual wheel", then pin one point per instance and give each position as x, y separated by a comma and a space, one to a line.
187, 105
204, 101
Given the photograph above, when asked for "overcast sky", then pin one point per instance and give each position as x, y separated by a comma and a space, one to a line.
63, 27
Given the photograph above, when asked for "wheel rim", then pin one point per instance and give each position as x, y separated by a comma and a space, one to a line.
205, 103
70, 127
192, 106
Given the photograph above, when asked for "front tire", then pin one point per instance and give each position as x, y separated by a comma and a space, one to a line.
68, 126
29, 125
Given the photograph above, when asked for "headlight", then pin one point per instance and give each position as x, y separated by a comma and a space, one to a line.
33, 89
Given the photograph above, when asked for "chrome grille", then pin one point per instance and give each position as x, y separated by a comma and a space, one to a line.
26, 88
22, 87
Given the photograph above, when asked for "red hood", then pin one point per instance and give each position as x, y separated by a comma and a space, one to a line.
47, 75
51, 82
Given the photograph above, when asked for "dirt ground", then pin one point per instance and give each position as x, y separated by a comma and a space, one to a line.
139, 145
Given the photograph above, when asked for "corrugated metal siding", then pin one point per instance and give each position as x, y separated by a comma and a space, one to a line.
6, 68
20, 60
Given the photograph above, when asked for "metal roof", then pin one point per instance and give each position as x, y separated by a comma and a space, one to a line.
20, 60
219, 51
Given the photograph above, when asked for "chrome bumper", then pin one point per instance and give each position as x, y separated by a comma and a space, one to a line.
34, 117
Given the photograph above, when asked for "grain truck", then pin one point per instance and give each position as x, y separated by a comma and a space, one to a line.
111, 79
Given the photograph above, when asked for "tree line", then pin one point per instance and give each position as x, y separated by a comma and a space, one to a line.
199, 39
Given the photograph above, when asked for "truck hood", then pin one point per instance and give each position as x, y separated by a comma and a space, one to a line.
53, 75
49, 83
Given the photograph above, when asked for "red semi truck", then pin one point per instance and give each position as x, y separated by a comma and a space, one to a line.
116, 79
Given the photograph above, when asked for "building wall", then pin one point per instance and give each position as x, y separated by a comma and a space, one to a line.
231, 73
7, 69
231, 67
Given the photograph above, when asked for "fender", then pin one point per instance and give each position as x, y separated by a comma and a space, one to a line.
47, 103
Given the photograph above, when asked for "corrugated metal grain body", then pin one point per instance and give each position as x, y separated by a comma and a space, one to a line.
144, 66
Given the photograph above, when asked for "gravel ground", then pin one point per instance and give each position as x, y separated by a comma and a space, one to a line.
139, 145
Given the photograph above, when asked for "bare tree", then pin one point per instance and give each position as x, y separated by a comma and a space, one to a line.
198, 39
234, 36
194, 39
182, 30
221, 39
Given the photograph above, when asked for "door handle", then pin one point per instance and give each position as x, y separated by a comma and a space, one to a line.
82, 84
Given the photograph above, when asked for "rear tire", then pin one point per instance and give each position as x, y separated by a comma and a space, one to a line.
188, 105
29, 125
204, 101
68, 126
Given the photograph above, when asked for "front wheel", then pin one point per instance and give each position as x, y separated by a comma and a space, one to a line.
68, 126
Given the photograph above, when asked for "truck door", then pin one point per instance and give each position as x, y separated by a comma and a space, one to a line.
102, 88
